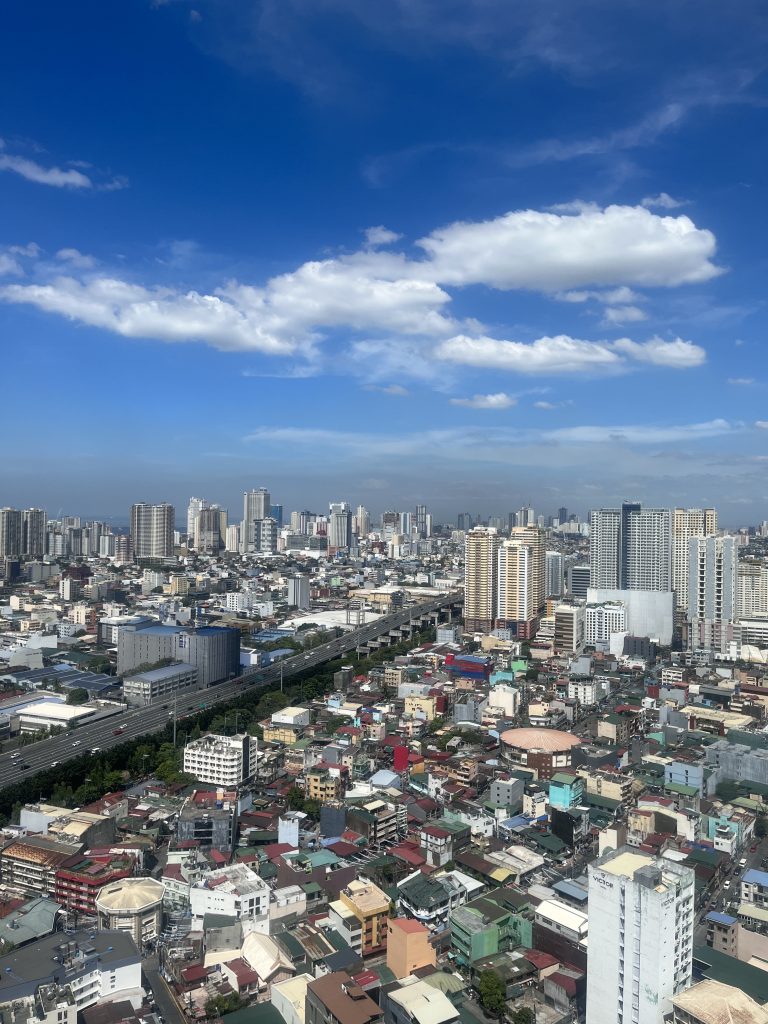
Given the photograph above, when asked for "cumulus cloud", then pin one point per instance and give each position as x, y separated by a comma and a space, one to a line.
396, 390
8, 265
547, 251
499, 400
761, 424
565, 355
745, 381
399, 307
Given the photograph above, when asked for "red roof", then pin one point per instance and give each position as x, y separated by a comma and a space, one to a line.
243, 971
540, 960
568, 985
342, 849
405, 924
195, 973
275, 850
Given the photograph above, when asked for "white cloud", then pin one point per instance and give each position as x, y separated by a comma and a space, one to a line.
8, 265
75, 258
528, 249
642, 434
663, 201
31, 249
761, 424
566, 355
397, 309
623, 315
380, 235
396, 390
746, 381
56, 176
499, 400
676, 354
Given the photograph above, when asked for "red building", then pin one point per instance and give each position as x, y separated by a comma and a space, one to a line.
80, 877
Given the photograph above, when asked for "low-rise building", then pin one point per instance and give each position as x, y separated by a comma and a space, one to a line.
222, 760
337, 999
142, 688
235, 891
408, 947
132, 905
360, 916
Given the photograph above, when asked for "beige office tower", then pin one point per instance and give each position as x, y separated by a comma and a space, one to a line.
687, 523
481, 548
533, 537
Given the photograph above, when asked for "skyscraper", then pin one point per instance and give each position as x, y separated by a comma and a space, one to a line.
362, 521
481, 547
11, 536
210, 529
152, 529
554, 567
520, 581
33, 527
339, 527
687, 523
712, 569
421, 520
630, 548
641, 917
193, 508
256, 505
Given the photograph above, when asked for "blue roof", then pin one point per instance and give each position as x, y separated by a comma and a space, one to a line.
572, 889
756, 877
718, 918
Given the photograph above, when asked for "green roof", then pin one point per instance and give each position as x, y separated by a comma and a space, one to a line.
681, 788
717, 966
261, 1013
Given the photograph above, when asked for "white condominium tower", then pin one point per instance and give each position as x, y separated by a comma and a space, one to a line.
712, 570
152, 529
521, 580
630, 548
687, 523
257, 504
641, 917
195, 506
481, 547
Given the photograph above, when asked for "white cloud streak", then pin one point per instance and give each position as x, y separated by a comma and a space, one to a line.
71, 177
499, 400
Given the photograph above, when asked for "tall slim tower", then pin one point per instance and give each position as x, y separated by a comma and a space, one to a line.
256, 505
362, 521
481, 548
339, 527
687, 523
641, 915
33, 528
554, 564
195, 506
152, 529
11, 539
712, 570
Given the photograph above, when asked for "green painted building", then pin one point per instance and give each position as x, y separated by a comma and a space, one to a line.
486, 927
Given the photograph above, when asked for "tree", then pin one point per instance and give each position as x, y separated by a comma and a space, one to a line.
295, 799
727, 791
493, 995
78, 696
523, 1015
761, 826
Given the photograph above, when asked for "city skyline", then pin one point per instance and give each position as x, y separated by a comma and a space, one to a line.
396, 248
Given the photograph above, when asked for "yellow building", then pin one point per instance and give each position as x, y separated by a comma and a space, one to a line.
408, 947
424, 706
370, 905
320, 785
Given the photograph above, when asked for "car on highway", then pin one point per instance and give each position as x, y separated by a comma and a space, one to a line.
77, 743
95, 750
54, 763
727, 883
118, 732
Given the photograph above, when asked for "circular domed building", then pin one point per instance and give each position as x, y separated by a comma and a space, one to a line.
544, 751
133, 905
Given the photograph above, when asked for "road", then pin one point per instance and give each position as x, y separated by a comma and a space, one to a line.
726, 900
166, 1004
99, 735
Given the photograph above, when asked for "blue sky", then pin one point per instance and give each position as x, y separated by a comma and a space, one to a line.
471, 253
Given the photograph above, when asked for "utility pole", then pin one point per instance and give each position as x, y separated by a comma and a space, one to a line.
281, 675
174, 721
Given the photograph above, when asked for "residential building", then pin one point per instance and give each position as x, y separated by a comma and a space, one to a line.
33, 529
602, 621
712, 1002
754, 888
11, 533
339, 527
481, 548
570, 628
418, 1002
222, 760
408, 947
29, 864
712, 566
630, 548
431, 900
79, 880
379, 821
641, 920
480, 929
687, 523
298, 592
234, 891
152, 529
324, 785
92, 966
208, 818
521, 581
337, 999
554, 568
360, 916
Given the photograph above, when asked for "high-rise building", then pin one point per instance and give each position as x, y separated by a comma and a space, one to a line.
641, 918
264, 536
712, 568
751, 588
526, 516
233, 538
339, 527
464, 521
562, 515
362, 521
193, 508
210, 528
276, 513
521, 580
481, 548
630, 548
406, 523
421, 520
33, 525
687, 523
298, 591
256, 505
11, 534
152, 529
554, 567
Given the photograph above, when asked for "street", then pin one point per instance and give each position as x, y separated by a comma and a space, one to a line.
166, 1004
